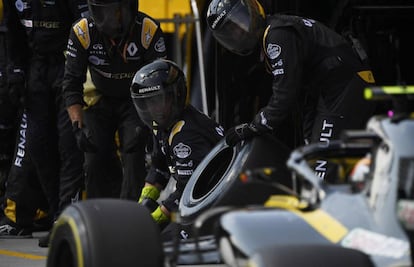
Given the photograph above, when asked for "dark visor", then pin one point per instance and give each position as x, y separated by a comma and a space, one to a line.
235, 33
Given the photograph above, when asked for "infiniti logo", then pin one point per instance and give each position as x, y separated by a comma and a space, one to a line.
98, 46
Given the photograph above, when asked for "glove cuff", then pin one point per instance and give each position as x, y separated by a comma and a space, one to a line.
149, 191
159, 216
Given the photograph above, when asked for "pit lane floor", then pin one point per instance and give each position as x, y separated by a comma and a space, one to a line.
22, 252
26, 253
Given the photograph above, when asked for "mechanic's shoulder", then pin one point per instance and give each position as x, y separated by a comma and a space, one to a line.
142, 17
82, 29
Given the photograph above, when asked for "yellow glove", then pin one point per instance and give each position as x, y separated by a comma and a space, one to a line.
149, 191
159, 216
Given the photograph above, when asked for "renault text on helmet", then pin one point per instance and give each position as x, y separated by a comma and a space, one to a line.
159, 93
238, 25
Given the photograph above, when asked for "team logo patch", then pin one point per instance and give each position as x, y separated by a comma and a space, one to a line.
132, 49
182, 151
149, 28
273, 51
82, 32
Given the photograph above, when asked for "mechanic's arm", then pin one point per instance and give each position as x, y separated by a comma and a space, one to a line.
284, 59
156, 180
283, 55
17, 55
75, 73
194, 148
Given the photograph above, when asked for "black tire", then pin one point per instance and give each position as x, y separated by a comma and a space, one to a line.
105, 233
216, 181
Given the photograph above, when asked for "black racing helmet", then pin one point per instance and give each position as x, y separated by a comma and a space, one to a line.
238, 25
159, 93
113, 18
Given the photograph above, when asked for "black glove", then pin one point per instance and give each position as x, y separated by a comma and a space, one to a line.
84, 138
241, 132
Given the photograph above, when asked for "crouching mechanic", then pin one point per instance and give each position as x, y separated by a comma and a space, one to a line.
182, 135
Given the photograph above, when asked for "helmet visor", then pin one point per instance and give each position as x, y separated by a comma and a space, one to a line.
110, 18
155, 108
236, 33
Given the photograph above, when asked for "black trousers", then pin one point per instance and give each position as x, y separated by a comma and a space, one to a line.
349, 111
47, 169
116, 170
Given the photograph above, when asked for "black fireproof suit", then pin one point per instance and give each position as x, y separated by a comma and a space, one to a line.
8, 110
178, 151
112, 67
318, 71
46, 156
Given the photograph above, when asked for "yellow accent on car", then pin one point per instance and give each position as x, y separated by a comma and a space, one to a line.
367, 76
176, 129
325, 224
284, 202
318, 219
82, 32
148, 30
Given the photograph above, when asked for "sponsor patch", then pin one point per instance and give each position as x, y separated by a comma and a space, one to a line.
19, 5
182, 151
279, 63
220, 130
278, 72
186, 164
373, 243
308, 22
98, 46
185, 172
273, 51
160, 45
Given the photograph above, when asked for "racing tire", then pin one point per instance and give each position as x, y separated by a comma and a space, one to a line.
215, 182
105, 233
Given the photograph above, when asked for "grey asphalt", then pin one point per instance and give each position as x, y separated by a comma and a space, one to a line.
26, 253
22, 252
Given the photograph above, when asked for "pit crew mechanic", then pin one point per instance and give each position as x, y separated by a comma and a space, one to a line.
182, 135
114, 42
312, 67
9, 104
47, 169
